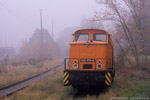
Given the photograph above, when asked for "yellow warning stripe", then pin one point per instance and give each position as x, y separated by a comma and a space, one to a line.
65, 74
66, 77
106, 82
108, 74
107, 78
67, 82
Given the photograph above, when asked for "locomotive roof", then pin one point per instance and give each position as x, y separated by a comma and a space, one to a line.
89, 30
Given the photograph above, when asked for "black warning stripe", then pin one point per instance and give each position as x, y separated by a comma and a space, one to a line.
109, 75
108, 78
107, 83
66, 76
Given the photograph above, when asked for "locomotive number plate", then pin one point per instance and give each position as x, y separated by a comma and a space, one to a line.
87, 60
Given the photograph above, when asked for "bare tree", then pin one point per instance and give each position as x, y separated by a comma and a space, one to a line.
91, 23
128, 17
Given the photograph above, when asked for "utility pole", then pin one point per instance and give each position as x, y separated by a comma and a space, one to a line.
52, 31
41, 46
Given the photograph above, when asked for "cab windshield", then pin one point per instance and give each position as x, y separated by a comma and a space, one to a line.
82, 37
99, 37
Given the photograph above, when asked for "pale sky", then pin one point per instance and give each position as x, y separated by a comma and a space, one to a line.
19, 18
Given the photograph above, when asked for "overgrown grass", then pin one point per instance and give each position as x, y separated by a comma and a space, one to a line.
138, 88
12, 74
52, 88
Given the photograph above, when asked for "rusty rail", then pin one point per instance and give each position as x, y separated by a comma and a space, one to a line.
9, 89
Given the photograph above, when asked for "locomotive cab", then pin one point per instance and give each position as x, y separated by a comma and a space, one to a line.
91, 59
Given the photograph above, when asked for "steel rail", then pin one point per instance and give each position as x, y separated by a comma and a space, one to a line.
9, 89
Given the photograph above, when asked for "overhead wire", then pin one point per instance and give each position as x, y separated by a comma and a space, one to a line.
10, 11
13, 14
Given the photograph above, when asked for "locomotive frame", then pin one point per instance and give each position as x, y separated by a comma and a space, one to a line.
92, 67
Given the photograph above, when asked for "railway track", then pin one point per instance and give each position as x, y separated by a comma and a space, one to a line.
4, 91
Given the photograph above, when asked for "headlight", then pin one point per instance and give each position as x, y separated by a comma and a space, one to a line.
75, 66
99, 61
75, 61
99, 66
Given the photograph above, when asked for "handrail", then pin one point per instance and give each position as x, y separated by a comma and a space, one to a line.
79, 62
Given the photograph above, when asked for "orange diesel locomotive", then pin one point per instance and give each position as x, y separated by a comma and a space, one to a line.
91, 59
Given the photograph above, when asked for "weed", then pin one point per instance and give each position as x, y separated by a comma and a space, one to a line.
10, 74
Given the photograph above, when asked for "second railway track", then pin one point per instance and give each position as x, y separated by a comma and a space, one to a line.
4, 91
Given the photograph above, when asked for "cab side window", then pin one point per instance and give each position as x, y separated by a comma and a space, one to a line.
99, 37
82, 37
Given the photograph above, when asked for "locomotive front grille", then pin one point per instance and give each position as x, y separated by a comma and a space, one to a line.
87, 66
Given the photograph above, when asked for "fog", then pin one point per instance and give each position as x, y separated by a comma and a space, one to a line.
20, 18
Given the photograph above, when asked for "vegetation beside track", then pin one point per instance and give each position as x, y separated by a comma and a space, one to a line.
52, 88
11, 74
